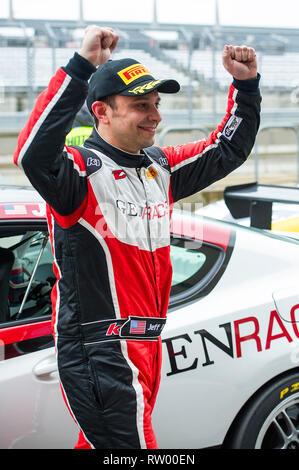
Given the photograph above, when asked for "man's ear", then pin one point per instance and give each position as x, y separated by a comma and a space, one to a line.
99, 109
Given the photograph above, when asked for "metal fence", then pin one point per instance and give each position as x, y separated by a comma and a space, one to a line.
25, 72
276, 164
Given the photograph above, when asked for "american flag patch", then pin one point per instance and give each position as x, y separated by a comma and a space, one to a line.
17, 209
137, 326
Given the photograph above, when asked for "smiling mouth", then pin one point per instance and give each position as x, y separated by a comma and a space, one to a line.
150, 130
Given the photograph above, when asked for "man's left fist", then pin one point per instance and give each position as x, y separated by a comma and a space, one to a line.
240, 62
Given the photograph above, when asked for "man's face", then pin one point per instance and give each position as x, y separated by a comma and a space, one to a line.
132, 121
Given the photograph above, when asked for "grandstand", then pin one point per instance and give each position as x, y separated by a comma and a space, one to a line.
31, 50
175, 63
191, 54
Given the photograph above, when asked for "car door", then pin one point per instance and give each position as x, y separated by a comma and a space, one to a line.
198, 266
32, 411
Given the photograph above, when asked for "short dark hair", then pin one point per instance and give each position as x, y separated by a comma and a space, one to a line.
110, 100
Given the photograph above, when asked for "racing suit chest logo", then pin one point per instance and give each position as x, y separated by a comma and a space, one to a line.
128, 208
119, 174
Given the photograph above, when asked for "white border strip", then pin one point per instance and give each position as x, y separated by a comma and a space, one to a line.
139, 395
193, 159
233, 110
98, 236
76, 166
57, 283
56, 336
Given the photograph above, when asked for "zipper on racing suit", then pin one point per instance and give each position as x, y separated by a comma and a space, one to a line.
141, 172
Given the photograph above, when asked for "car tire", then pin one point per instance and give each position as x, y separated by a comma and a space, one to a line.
270, 420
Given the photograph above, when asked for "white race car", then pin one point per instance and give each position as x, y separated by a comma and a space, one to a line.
230, 374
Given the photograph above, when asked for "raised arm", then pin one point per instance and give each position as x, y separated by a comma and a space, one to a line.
56, 171
196, 165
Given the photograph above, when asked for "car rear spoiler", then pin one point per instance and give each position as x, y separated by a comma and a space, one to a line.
255, 201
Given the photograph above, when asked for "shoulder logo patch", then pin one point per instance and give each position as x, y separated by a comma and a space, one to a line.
91, 161
231, 126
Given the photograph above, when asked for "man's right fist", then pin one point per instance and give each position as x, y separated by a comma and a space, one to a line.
98, 44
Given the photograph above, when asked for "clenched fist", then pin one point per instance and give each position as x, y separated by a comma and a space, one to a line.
98, 44
240, 62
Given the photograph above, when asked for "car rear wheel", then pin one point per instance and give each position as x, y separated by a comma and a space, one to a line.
271, 419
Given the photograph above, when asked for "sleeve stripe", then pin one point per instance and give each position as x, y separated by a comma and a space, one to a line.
66, 221
41, 119
184, 154
70, 156
187, 161
234, 107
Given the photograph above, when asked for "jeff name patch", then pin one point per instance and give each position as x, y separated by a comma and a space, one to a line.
231, 126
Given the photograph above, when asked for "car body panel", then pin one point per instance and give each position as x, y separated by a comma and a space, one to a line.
25, 332
258, 336
286, 302
208, 384
32, 406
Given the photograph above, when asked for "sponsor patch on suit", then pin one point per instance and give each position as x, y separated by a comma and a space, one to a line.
231, 126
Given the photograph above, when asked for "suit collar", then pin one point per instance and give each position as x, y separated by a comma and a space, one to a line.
122, 158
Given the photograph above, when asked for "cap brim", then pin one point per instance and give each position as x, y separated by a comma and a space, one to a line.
163, 86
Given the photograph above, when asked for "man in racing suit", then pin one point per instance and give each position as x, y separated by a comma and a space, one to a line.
108, 209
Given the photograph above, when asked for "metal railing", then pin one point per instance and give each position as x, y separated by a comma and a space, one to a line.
293, 128
180, 128
256, 153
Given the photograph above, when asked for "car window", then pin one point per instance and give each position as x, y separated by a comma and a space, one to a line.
196, 266
26, 276
185, 263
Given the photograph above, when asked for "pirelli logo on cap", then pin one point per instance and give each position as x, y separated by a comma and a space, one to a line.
133, 72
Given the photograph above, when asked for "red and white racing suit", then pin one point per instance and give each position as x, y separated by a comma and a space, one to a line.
108, 216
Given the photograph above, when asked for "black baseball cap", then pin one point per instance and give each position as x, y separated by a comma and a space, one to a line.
125, 77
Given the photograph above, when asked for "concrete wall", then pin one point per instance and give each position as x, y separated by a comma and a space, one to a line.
8, 142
